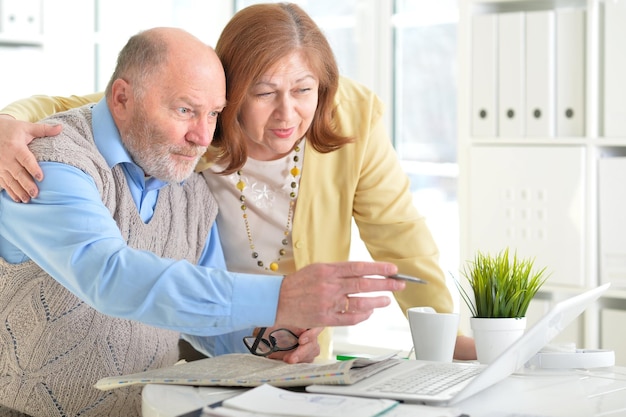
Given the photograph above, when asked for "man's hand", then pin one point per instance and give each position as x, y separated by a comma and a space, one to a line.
18, 165
321, 295
308, 346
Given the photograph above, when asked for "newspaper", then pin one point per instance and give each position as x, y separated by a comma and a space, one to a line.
245, 370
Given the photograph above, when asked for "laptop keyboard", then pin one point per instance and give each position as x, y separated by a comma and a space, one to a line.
429, 379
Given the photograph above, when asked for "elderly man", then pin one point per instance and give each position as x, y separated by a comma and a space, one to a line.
98, 274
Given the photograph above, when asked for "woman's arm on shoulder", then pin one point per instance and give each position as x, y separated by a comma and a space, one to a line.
38, 107
18, 166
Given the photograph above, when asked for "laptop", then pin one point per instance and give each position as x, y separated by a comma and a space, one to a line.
468, 378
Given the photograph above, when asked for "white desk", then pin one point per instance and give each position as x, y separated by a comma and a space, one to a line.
540, 393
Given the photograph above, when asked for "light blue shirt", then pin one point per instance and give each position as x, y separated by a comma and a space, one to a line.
69, 232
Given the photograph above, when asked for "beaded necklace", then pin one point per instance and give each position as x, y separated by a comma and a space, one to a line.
293, 194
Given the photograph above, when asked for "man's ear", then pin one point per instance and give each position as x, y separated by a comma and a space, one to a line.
121, 99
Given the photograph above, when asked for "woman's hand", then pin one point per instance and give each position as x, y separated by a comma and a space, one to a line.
465, 348
18, 165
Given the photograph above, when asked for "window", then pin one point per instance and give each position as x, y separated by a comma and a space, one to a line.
425, 81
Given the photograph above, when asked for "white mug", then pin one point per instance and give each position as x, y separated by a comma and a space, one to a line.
434, 334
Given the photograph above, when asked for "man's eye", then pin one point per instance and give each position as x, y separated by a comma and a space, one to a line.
184, 110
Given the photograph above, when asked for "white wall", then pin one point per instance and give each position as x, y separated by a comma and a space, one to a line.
76, 55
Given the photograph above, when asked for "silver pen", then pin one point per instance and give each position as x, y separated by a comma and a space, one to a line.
408, 278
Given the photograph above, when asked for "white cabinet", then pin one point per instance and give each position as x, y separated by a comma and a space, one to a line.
64, 47
44, 49
20, 22
20, 44
614, 33
520, 199
539, 85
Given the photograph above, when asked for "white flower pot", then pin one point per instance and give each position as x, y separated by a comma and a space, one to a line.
494, 335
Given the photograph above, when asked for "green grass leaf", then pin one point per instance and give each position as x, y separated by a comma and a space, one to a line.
501, 285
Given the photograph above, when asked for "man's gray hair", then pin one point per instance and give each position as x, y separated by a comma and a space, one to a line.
143, 56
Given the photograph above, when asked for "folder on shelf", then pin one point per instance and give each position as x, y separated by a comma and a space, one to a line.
540, 74
570, 72
612, 223
484, 76
511, 76
614, 69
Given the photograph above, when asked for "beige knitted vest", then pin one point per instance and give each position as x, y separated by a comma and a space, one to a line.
53, 346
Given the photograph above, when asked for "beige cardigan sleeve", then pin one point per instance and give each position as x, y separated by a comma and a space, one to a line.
38, 107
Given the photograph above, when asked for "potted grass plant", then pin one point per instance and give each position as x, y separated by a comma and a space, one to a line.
502, 287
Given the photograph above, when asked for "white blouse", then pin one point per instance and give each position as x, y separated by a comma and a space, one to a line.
268, 185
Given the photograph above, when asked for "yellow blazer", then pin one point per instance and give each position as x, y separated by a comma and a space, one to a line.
364, 180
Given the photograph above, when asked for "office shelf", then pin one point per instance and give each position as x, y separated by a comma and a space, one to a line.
540, 194
15, 40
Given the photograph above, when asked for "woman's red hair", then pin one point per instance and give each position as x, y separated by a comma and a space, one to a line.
254, 40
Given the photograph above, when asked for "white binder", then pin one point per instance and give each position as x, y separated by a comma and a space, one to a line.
614, 69
511, 76
484, 76
570, 72
611, 202
540, 74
